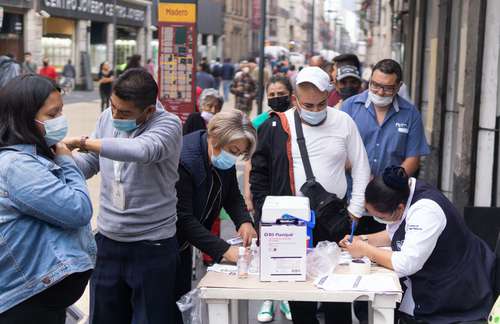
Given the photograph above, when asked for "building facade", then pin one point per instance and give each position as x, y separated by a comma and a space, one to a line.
210, 28
78, 30
237, 42
450, 56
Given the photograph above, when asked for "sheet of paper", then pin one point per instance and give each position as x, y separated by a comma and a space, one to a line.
223, 268
375, 283
345, 257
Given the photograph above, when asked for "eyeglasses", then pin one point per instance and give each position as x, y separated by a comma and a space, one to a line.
389, 89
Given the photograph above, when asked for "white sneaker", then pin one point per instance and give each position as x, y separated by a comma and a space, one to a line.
285, 309
266, 313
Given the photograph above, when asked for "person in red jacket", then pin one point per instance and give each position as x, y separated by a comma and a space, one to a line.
48, 70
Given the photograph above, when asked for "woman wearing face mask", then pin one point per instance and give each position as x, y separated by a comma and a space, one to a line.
279, 99
211, 103
447, 270
48, 250
207, 182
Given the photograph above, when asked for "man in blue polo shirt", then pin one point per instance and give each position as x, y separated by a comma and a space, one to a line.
392, 131
390, 126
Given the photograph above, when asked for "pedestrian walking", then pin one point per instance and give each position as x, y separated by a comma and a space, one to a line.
28, 65
339, 61
204, 79
9, 69
227, 77
244, 89
136, 148
48, 249
105, 79
211, 104
216, 69
48, 71
68, 77
134, 62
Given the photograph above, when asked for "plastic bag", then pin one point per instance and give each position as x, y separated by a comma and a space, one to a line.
190, 307
323, 259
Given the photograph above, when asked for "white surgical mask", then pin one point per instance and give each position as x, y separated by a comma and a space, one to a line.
383, 221
379, 101
207, 116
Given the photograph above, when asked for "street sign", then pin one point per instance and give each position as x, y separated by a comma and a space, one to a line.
177, 56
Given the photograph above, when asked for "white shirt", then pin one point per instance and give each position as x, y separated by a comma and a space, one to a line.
329, 146
425, 221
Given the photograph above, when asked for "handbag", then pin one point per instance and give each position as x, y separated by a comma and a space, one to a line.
332, 220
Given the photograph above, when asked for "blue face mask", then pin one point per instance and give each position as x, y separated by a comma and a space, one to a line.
55, 130
313, 118
224, 160
125, 125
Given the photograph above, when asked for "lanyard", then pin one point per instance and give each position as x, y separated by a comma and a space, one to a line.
118, 165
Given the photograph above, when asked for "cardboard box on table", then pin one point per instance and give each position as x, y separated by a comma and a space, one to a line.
283, 238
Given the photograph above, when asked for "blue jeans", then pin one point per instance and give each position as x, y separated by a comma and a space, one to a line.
134, 282
226, 85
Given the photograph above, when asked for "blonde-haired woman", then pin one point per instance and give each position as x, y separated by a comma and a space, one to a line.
207, 183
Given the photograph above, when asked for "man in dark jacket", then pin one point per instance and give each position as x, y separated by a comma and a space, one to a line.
227, 77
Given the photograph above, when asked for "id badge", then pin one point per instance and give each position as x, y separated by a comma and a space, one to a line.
118, 195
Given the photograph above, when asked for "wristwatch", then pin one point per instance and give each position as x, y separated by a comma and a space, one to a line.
83, 144
363, 238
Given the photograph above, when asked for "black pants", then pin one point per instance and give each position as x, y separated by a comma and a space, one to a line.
335, 313
134, 282
184, 272
105, 95
50, 305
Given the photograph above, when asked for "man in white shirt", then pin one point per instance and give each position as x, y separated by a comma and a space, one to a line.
331, 138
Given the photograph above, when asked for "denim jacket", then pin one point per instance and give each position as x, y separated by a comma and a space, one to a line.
45, 234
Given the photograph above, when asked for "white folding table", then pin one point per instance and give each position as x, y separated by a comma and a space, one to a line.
227, 296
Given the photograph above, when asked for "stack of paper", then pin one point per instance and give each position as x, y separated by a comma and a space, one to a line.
223, 268
373, 282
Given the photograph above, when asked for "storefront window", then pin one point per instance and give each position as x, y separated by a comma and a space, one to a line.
57, 50
124, 49
98, 54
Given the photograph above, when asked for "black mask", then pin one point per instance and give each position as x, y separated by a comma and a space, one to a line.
348, 92
279, 104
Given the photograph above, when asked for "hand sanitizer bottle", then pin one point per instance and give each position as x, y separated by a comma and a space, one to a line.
242, 263
254, 257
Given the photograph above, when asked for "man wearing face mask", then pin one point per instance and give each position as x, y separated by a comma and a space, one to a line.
347, 83
331, 138
390, 126
136, 148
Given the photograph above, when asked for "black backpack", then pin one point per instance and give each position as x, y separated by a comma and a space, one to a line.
332, 220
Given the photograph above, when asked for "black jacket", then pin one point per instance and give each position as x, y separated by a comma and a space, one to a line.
196, 181
272, 166
194, 123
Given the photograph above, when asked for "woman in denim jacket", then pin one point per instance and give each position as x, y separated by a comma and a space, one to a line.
47, 250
